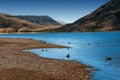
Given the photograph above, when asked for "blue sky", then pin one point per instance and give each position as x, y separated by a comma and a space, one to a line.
65, 10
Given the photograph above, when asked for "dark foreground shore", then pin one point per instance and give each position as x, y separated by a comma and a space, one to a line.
16, 64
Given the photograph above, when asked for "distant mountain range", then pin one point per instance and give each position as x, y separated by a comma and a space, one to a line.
10, 23
106, 18
41, 20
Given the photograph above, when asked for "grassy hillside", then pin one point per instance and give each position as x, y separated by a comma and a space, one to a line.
9, 24
105, 18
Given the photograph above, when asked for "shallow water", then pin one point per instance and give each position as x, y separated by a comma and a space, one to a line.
88, 48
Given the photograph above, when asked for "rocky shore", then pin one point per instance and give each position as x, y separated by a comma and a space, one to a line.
16, 64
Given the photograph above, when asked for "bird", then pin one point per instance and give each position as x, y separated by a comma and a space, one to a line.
69, 43
42, 50
68, 55
89, 44
108, 58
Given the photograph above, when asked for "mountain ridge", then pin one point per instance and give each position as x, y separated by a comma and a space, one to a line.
105, 18
41, 20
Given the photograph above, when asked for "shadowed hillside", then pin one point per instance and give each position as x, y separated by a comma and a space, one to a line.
106, 18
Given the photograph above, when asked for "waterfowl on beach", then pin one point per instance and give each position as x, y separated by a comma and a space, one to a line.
108, 58
68, 56
44, 41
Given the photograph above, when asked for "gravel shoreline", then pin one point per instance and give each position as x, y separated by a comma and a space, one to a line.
16, 64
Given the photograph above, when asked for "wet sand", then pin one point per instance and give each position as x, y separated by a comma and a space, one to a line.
16, 64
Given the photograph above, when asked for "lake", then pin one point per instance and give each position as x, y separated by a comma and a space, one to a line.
87, 48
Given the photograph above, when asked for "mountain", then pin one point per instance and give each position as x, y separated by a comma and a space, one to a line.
105, 18
41, 20
10, 23
61, 22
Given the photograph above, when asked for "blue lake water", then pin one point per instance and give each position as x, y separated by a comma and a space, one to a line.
88, 48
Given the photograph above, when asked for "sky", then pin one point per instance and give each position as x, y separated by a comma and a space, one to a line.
65, 10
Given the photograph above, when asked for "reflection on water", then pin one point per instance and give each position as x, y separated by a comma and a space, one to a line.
87, 48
